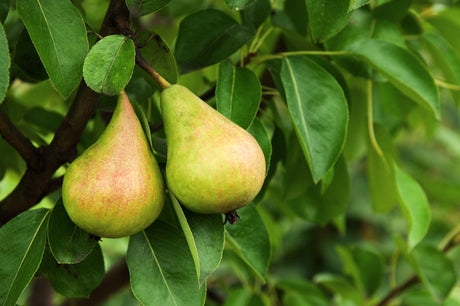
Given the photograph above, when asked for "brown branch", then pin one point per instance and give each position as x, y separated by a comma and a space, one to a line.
114, 280
42, 293
35, 183
19, 142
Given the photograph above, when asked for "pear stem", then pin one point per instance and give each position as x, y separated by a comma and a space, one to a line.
152, 72
232, 217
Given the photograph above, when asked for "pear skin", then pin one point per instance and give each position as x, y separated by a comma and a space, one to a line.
115, 188
213, 165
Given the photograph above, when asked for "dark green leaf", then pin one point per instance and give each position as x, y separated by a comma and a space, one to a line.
60, 40
238, 94
327, 18
354, 4
319, 111
27, 64
249, 238
208, 233
144, 7
68, 243
4, 64
260, 133
22, 242
4, 8
138, 88
341, 287
302, 292
223, 37
392, 10
158, 55
109, 64
238, 5
155, 278
403, 69
256, 13
297, 16
414, 205
75, 280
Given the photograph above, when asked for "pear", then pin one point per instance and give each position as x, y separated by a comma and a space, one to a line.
213, 165
115, 188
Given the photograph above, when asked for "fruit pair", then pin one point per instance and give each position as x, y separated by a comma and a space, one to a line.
115, 188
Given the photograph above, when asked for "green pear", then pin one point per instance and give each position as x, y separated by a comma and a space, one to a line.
213, 165
115, 188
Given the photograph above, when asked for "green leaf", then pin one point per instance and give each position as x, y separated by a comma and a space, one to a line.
301, 292
244, 297
4, 9
158, 55
223, 37
110, 64
60, 40
318, 109
22, 243
238, 94
68, 243
393, 11
4, 64
144, 7
75, 280
448, 24
260, 133
156, 279
355, 4
208, 233
403, 69
238, 5
327, 18
26, 62
436, 271
414, 205
445, 57
249, 238
256, 13
340, 286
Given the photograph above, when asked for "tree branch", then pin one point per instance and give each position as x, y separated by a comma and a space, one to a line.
35, 182
149, 69
19, 142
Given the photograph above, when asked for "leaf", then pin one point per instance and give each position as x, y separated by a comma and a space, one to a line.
60, 40
208, 233
302, 290
238, 5
26, 62
256, 13
414, 205
238, 94
355, 4
68, 243
22, 242
260, 133
110, 64
318, 109
327, 18
448, 25
75, 280
155, 278
4, 64
223, 37
340, 286
157, 54
393, 11
249, 238
143, 7
403, 69
436, 271
4, 9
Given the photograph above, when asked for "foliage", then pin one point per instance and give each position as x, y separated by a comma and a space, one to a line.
354, 104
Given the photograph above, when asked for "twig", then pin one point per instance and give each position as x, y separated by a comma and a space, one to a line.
19, 142
149, 69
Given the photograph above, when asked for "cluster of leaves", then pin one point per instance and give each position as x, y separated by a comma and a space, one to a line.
341, 96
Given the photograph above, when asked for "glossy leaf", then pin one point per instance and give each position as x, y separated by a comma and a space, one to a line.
75, 280
327, 18
68, 243
318, 109
4, 64
249, 239
238, 94
109, 64
144, 7
414, 205
256, 13
60, 40
208, 233
155, 278
436, 270
223, 37
238, 5
260, 133
403, 69
22, 243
